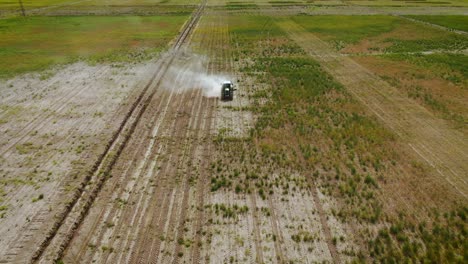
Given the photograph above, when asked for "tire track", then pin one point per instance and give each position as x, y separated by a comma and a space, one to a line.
181, 130
177, 131
182, 150
201, 187
127, 169
202, 183
207, 103
226, 58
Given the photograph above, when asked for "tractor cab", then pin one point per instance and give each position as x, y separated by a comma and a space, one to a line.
227, 91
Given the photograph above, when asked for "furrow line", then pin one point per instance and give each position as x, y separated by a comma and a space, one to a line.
114, 211
203, 170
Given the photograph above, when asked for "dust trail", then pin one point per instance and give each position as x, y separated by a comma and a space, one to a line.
189, 72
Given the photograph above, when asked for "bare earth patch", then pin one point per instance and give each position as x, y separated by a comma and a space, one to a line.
52, 131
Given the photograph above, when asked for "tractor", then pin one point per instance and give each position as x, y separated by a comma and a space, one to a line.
227, 91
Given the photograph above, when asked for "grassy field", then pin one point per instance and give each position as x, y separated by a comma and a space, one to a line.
453, 22
86, 7
36, 43
381, 33
349, 29
240, 5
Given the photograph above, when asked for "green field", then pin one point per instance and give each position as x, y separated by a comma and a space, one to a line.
240, 5
86, 7
36, 43
139, 2
11, 4
453, 22
14, 4
411, 3
387, 33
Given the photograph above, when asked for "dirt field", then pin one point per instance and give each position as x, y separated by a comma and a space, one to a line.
322, 156
52, 131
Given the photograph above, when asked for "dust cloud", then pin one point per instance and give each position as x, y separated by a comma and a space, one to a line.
190, 71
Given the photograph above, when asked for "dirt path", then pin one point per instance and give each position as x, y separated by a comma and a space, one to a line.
433, 140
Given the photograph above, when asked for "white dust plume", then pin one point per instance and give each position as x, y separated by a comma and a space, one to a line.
189, 71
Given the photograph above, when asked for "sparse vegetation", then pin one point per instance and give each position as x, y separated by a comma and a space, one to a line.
307, 105
299, 167
38, 198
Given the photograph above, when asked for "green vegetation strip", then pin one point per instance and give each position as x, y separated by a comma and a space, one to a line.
391, 34
14, 4
453, 22
36, 43
241, 5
